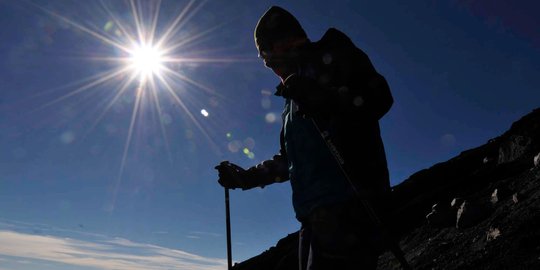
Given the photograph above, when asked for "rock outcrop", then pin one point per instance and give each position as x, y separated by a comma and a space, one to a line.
479, 210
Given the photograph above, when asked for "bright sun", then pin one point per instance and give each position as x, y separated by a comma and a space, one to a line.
146, 61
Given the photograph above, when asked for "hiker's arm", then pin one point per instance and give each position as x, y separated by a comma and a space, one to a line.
270, 171
275, 170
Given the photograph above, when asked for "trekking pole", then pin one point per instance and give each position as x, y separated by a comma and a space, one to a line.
228, 221
391, 244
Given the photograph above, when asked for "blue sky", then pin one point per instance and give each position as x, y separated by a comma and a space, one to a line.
72, 177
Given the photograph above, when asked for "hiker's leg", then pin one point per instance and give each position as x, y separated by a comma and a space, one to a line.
339, 240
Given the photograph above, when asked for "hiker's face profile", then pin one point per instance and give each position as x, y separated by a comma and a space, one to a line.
278, 56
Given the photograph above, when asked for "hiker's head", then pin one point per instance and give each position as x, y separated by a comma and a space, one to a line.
277, 34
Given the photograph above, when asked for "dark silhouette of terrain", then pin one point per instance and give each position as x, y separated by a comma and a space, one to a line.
478, 210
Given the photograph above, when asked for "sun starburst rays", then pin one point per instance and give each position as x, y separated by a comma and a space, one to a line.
145, 64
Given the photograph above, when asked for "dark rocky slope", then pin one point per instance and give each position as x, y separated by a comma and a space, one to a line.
479, 210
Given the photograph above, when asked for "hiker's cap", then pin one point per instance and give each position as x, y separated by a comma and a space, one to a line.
277, 24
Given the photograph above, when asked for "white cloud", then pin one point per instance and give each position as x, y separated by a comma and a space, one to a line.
117, 253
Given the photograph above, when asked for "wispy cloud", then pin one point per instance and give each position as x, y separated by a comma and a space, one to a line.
200, 233
117, 253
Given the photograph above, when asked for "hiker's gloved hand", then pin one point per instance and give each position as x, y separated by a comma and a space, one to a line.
233, 176
306, 92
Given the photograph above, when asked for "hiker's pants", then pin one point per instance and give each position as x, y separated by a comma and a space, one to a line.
338, 237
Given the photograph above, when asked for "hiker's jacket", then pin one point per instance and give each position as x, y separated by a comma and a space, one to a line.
353, 97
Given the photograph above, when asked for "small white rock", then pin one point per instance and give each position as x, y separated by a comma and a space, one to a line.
492, 234
494, 197
456, 202
460, 212
537, 160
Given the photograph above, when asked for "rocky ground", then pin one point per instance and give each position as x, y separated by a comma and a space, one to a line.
479, 210
497, 231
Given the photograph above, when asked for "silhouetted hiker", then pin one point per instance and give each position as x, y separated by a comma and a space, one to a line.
330, 88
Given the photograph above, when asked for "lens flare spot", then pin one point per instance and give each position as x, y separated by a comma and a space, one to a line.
249, 143
327, 59
266, 103
214, 102
189, 134
192, 147
166, 119
67, 137
111, 129
358, 101
343, 90
248, 153
234, 146
108, 26
204, 113
266, 92
229, 135
270, 118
